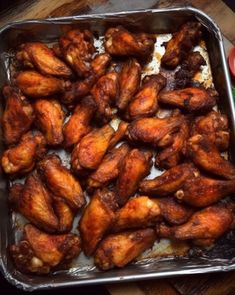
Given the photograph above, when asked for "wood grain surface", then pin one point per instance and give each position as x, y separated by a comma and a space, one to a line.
212, 284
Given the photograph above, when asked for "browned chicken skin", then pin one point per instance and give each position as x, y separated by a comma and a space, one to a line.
61, 182
49, 119
38, 55
145, 102
135, 166
65, 215
129, 80
169, 182
97, 219
120, 133
191, 99
181, 43
207, 157
21, 158
39, 252
17, 117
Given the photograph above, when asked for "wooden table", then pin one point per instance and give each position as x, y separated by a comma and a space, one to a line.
212, 284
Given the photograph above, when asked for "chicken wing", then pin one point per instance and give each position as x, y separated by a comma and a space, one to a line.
65, 215
169, 182
49, 119
17, 117
109, 168
181, 43
21, 158
61, 182
89, 153
145, 102
96, 220
119, 134
117, 250
191, 99
120, 42
34, 84
204, 191
77, 48
129, 80
39, 252
38, 55
78, 124
135, 166
207, 157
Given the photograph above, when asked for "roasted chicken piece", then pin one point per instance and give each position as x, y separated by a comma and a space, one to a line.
119, 134
191, 99
181, 43
204, 191
61, 182
65, 215
21, 158
139, 212
215, 127
17, 117
117, 250
145, 102
39, 252
78, 124
37, 55
49, 119
97, 218
168, 182
120, 42
34, 84
109, 168
207, 157
135, 166
129, 80
89, 152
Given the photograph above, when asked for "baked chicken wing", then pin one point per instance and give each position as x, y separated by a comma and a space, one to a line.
120, 133
65, 215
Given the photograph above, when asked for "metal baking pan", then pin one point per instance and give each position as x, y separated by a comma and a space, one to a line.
222, 256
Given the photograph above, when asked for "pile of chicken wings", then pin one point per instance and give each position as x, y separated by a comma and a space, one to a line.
65, 97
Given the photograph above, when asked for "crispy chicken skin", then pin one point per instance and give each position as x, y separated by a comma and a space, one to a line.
77, 48
108, 169
33, 84
215, 127
78, 124
145, 102
104, 93
204, 191
129, 80
117, 250
120, 42
17, 117
65, 215
139, 212
206, 156
191, 99
168, 182
38, 55
135, 166
21, 158
61, 182
39, 252
180, 45
120, 133
49, 119
97, 219
89, 153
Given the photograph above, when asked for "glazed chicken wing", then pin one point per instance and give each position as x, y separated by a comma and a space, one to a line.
21, 158
117, 250
135, 166
49, 119
191, 99
97, 219
181, 43
39, 252
61, 182
17, 117
145, 102
38, 55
